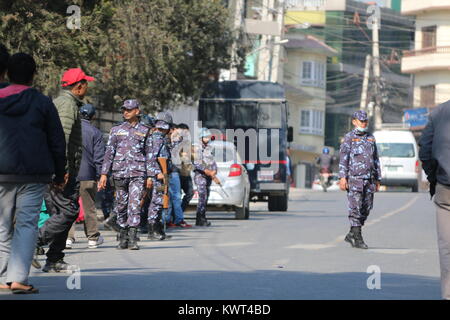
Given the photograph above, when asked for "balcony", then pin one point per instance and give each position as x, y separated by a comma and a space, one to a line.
427, 59
414, 7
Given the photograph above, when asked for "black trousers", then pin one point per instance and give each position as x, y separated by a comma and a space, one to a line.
188, 189
64, 209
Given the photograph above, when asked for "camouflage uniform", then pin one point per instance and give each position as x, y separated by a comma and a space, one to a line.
203, 159
360, 165
125, 156
159, 147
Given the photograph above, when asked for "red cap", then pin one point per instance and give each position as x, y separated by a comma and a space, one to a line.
74, 75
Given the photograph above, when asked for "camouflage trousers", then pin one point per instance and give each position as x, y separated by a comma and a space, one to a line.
127, 203
360, 200
203, 187
156, 205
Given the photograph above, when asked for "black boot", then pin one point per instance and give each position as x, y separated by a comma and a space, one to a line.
132, 239
354, 237
201, 220
123, 238
151, 232
111, 223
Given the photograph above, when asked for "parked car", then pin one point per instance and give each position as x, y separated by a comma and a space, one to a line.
399, 159
234, 179
334, 183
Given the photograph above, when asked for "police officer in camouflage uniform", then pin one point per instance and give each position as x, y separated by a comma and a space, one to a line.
159, 147
125, 156
360, 175
205, 169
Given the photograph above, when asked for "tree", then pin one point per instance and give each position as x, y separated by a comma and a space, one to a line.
159, 51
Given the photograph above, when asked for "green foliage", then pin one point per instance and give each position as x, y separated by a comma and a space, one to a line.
158, 51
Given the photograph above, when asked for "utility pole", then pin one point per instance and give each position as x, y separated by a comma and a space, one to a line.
363, 105
264, 55
376, 73
237, 22
276, 49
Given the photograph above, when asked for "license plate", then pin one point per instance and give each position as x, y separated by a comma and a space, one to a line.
392, 168
266, 175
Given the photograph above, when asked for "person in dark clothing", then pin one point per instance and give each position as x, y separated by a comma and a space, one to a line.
186, 167
64, 207
89, 174
33, 155
4, 57
435, 154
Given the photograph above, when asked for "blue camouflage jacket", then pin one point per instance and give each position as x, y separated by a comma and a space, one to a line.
126, 151
359, 157
204, 158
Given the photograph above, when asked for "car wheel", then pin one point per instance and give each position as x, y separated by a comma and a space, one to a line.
243, 212
415, 188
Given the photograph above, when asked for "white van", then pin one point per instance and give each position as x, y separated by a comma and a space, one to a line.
399, 158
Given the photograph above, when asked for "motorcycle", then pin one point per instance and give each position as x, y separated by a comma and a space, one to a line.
325, 178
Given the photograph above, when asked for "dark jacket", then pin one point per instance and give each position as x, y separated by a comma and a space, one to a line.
435, 145
32, 141
93, 152
67, 105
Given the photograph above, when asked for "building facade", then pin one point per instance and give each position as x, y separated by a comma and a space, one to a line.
429, 61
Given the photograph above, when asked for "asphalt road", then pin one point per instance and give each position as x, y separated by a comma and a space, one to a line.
299, 254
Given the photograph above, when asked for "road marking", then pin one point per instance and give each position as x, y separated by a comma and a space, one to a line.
311, 246
397, 251
335, 242
234, 244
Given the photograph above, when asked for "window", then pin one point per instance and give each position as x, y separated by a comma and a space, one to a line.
427, 96
244, 115
215, 115
429, 37
313, 74
312, 122
269, 115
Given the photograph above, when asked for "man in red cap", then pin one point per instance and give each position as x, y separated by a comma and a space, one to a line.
63, 205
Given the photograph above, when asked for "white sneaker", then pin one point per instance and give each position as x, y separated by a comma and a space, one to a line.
69, 243
92, 244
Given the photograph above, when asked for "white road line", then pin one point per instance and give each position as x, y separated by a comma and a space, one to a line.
341, 238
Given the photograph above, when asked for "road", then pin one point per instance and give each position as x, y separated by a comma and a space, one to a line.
299, 254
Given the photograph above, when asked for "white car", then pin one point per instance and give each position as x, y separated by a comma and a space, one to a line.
399, 159
235, 191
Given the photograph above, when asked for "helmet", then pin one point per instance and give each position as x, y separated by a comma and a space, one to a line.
326, 150
204, 132
164, 116
147, 120
87, 111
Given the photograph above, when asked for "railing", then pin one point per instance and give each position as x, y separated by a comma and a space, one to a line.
430, 50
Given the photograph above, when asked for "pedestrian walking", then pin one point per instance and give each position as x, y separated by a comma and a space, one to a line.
174, 180
33, 150
159, 147
63, 205
360, 175
205, 169
125, 158
4, 57
89, 174
186, 167
435, 155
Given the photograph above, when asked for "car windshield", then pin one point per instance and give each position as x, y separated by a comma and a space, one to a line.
269, 115
223, 153
396, 150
